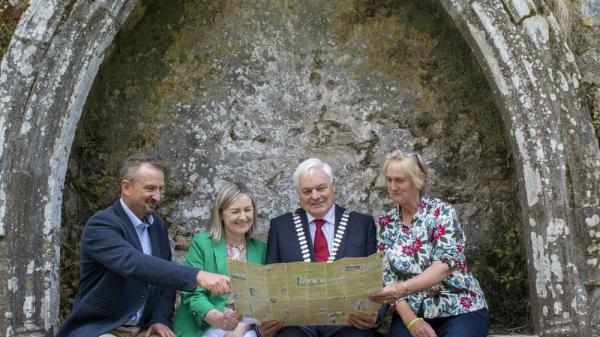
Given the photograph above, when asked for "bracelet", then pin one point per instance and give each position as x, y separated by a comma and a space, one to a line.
405, 290
413, 322
405, 298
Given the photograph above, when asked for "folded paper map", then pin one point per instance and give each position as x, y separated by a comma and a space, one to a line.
305, 293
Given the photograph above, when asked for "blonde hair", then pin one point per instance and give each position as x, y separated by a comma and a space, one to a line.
227, 195
412, 164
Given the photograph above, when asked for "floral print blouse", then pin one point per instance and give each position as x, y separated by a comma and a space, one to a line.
237, 252
434, 235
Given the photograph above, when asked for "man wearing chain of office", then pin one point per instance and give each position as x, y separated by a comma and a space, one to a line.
321, 231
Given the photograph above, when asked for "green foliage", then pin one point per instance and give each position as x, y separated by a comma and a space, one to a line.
591, 95
9, 18
503, 276
511, 261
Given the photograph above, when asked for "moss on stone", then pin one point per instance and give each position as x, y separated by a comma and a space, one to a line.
9, 18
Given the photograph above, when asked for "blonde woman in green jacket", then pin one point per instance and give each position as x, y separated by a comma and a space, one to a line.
229, 235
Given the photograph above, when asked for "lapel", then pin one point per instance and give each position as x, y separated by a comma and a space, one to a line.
153, 233
338, 218
252, 255
220, 255
304, 220
128, 227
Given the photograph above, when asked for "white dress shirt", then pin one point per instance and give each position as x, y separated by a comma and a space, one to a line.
328, 227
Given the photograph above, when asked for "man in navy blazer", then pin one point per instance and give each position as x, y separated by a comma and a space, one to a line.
321, 231
128, 283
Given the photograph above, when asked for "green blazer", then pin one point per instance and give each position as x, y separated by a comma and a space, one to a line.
209, 256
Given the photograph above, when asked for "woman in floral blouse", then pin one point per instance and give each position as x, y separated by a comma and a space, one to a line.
425, 272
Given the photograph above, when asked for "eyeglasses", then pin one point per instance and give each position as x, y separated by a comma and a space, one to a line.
414, 155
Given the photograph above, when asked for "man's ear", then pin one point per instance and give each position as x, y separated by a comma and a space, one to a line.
125, 185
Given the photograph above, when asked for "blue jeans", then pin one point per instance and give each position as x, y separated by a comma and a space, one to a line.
471, 324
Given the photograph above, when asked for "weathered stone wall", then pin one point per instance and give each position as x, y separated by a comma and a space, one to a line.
524, 52
586, 42
531, 67
244, 91
45, 77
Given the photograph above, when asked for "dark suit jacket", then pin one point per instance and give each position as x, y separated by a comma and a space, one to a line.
116, 276
359, 239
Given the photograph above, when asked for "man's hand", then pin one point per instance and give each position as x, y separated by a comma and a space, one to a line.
389, 294
215, 283
159, 329
363, 320
269, 328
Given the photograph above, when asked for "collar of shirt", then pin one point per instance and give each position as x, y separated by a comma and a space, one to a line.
137, 223
421, 209
423, 206
328, 228
329, 217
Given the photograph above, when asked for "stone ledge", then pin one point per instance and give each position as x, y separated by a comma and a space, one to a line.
512, 335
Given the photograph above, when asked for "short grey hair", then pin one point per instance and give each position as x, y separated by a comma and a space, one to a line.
307, 167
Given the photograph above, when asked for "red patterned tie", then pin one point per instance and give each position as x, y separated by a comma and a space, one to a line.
321, 250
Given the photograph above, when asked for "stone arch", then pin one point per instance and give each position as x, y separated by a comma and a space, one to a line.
51, 64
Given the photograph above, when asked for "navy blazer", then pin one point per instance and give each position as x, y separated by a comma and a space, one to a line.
117, 277
359, 239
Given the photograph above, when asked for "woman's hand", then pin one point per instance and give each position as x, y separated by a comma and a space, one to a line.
431, 276
422, 329
230, 320
239, 331
389, 294
227, 321
269, 328
418, 327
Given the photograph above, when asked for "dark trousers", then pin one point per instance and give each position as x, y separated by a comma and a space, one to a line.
323, 331
471, 324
